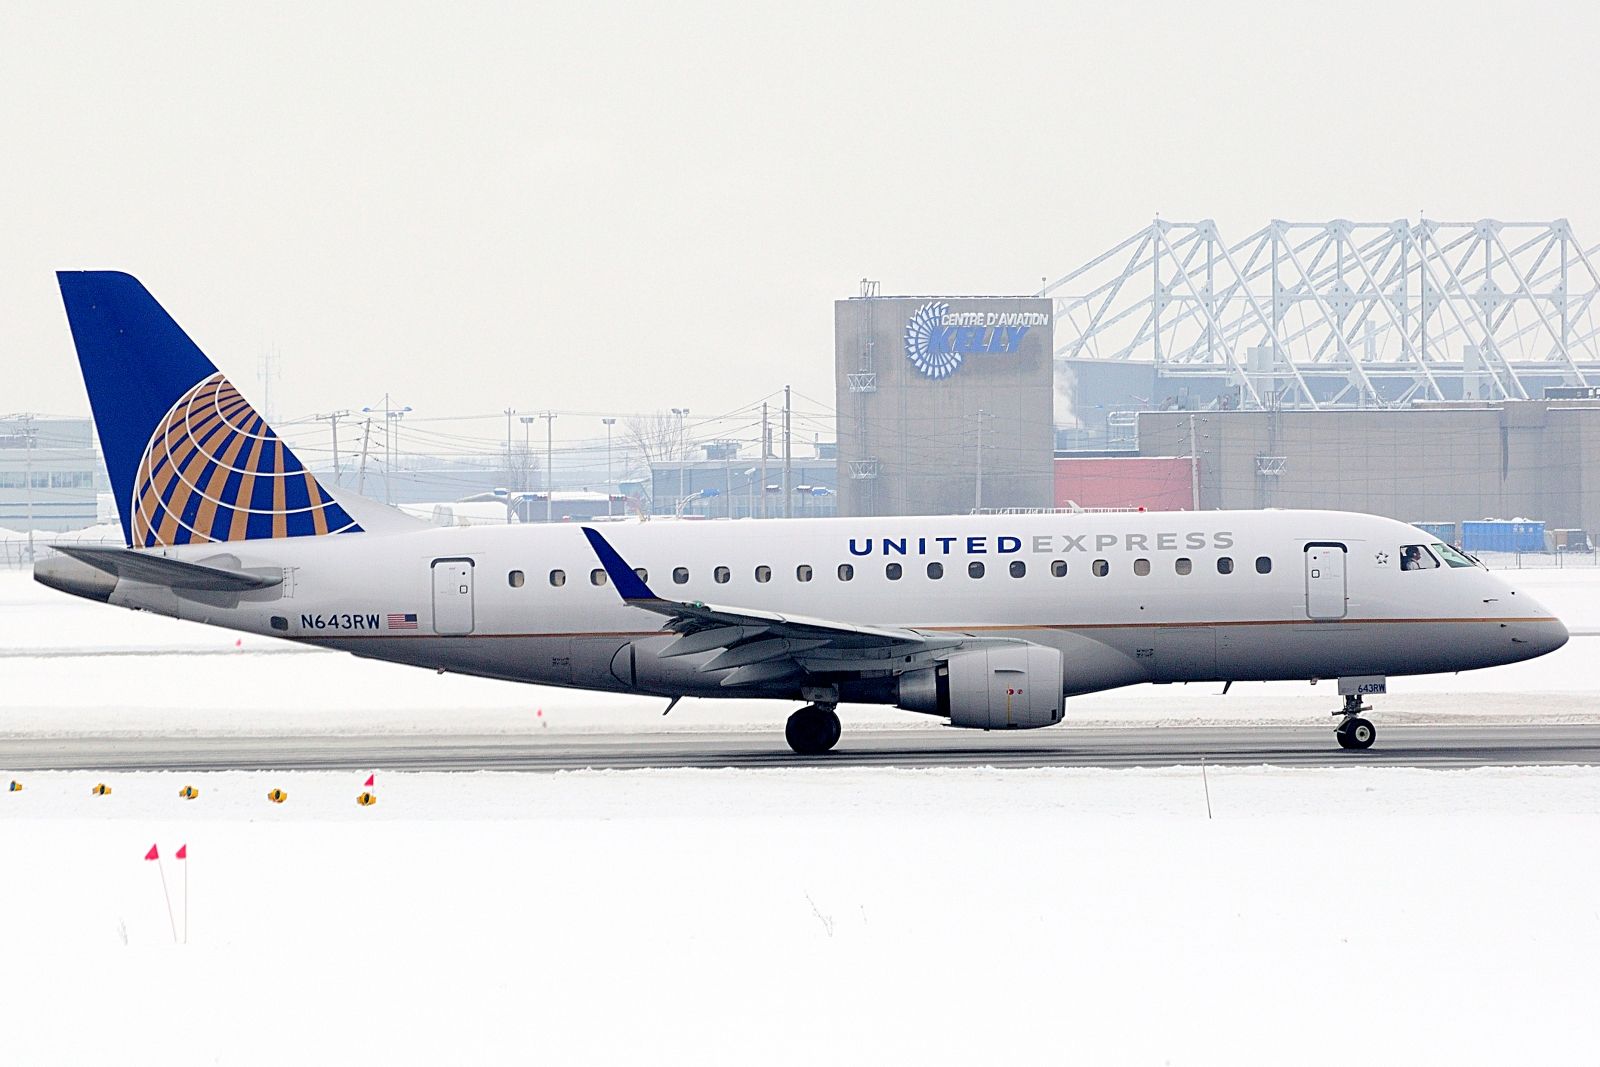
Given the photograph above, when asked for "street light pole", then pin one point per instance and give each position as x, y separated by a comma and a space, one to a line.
609, 423
549, 418
683, 448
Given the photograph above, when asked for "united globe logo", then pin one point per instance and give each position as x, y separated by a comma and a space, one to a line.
927, 341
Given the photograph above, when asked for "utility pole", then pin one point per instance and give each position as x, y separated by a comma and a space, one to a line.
510, 467
766, 449
683, 449
609, 423
527, 451
1194, 469
366, 437
390, 415
333, 418
977, 505
549, 418
27, 475
788, 503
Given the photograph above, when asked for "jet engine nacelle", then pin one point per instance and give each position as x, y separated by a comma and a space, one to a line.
1009, 687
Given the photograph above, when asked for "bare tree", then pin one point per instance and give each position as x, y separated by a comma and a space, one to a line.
651, 439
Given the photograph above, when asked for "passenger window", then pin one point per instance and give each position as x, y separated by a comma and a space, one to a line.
515, 579
1018, 568
936, 570
597, 576
1184, 565
558, 578
975, 569
644, 575
1100, 568
802, 573
763, 574
1416, 558
1225, 565
1058, 568
1263, 565
892, 571
721, 575
680, 575
846, 572
1141, 567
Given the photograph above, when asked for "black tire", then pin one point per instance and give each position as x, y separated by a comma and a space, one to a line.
831, 728
1342, 736
806, 732
1361, 733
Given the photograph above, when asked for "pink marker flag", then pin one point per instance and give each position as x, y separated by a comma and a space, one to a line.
370, 777
152, 854
183, 852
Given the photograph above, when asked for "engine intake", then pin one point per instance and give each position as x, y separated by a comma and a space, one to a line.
1010, 687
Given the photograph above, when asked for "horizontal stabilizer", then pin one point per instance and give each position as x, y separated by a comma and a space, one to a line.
160, 570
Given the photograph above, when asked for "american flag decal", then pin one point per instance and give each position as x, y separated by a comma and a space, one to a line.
408, 621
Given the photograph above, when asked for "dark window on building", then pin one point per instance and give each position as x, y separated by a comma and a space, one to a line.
892, 571
975, 569
514, 579
1225, 565
846, 572
680, 575
1141, 567
1058, 568
936, 570
558, 578
1263, 564
803, 572
1100, 568
1184, 565
721, 575
597, 576
763, 574
1018, 568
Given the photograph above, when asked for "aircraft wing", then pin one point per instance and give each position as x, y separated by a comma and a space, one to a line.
766, 645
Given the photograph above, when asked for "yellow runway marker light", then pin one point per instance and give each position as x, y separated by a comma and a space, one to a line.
101, 790
188, 792
277, 796
366, 800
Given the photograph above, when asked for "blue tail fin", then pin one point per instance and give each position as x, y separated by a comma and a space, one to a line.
190, 460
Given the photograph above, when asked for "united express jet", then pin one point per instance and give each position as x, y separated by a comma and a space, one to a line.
986, 621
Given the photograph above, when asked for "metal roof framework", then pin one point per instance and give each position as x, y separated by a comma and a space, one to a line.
1341, 313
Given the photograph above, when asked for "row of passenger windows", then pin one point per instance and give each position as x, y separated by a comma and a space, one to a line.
894, 571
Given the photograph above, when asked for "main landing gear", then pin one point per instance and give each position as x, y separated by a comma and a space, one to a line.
813, 730
1354, 731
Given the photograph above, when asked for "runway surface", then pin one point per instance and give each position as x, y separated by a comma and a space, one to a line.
1298, 746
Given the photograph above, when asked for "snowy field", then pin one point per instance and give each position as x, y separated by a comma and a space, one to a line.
787, 916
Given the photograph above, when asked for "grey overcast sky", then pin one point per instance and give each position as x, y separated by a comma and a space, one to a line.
626, 208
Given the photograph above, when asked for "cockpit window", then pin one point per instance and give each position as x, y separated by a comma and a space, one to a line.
1417, 558
1451, 556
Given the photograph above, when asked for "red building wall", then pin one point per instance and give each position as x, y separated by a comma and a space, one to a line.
1155, 483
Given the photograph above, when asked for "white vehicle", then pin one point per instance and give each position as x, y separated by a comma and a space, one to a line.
987, 621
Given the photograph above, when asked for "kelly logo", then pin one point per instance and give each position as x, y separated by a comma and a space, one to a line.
937, 339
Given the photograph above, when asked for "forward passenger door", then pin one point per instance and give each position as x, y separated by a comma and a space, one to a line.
1326, 595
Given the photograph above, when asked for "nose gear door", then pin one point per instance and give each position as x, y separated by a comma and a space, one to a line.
1326, 594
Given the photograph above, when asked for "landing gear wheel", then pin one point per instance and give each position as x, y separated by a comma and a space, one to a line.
1355, 732
812, 730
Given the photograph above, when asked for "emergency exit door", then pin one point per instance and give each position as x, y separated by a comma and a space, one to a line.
452, 596
1326, 595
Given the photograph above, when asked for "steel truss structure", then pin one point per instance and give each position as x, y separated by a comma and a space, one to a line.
1341, 313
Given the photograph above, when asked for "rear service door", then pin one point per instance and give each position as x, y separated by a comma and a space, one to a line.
1325, 588
452, 596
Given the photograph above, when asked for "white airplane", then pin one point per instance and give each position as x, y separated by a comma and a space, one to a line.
989, 622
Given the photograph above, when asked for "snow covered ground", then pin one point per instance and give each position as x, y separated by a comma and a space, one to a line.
1356, 915
72, 666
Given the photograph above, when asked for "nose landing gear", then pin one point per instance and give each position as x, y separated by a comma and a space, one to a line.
813, 730
1354, 732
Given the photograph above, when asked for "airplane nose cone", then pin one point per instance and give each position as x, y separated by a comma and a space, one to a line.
1552, 635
